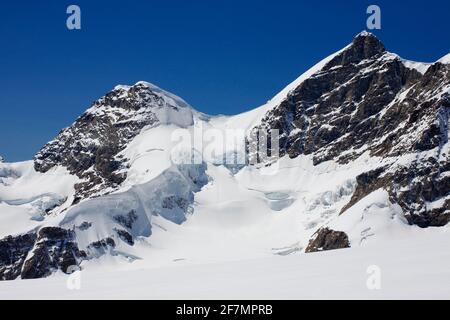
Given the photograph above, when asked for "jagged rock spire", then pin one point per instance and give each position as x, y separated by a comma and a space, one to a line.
365, 45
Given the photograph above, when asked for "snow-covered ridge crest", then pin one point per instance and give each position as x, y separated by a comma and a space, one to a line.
176, 100
169, 108
445, 59
364, 33
421, 67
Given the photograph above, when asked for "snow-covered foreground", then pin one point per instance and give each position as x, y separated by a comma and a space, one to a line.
409, 269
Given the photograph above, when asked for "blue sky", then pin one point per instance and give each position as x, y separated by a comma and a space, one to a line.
222, 56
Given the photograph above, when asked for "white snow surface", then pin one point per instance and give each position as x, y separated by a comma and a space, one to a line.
410, 268
422, 67
445, 59
25, 195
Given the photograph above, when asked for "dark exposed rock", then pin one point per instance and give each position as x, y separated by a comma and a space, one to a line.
101, 247
48, 250
422, 183
172, 201
327, 239
13, 252
412, 187
103, 244
364, 46
366, 183
434, 218
55, 249
125, 236
84, 226
127, 220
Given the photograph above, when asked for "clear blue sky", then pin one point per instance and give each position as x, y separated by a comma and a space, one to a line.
222, 56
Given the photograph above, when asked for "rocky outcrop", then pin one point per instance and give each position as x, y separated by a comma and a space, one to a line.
125, 236
101, 247
39, 254
366, 183
55, 249
127, 220
13, 252
422, 189
103, 244
327, 239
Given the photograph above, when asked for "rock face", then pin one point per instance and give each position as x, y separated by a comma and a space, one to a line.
37, 255
55, 249
327, 239
89, 147
13, 252
366, 100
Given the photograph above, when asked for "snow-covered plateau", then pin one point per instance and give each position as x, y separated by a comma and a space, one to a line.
408, 270
357, 205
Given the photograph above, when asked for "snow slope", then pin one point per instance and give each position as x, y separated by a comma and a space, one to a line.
25, 195
445, 59
408, 269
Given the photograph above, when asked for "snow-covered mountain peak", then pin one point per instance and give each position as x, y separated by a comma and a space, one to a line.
364, 46
367, 37
170, 97
364, 33
88, 148
140, 101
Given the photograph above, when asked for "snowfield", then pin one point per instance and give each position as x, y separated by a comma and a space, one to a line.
416, 268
